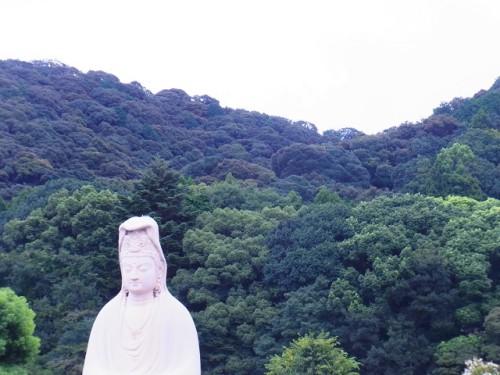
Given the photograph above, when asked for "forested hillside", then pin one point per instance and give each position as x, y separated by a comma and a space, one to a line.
390, 242
57, 122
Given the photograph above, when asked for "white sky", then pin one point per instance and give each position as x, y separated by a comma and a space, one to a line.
367, 64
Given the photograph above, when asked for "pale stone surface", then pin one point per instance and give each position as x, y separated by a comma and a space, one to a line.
144, 330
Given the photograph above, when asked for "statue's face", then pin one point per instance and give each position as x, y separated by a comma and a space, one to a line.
140, 275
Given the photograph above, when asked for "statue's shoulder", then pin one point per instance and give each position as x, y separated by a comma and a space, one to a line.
174, 305
110, 307
175, 300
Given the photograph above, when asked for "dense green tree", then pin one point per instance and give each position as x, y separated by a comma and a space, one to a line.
440, 125
484, 142
403, 351
315, 355
18, 345
304, 310
299, 252
491, 348
305, 188
492, 326
451, 355
311, 161
233, 193
244, 170
326, 196
480, 120
157, 192
358, 324
413, 176
470, 248
452, 173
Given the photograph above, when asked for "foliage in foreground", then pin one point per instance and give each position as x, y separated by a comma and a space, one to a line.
17, 343
313, 355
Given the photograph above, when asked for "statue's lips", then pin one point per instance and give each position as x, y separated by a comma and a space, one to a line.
135, 283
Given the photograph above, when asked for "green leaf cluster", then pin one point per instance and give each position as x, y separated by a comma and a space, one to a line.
315, 356
18, 345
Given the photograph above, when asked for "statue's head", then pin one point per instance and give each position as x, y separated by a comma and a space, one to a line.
142, 262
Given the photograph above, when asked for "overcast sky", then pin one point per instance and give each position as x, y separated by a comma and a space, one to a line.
367, 64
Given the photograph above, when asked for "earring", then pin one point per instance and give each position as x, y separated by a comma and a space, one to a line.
156, 291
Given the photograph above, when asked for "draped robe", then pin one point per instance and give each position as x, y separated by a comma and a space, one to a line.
168, 344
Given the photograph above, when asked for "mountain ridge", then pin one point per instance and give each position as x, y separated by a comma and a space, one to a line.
57, 122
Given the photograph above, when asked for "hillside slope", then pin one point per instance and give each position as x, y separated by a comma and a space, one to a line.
57, 122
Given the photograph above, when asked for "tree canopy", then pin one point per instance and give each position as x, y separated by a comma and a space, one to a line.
18, 345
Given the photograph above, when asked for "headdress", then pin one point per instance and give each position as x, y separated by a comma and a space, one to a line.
137, 243
140, 236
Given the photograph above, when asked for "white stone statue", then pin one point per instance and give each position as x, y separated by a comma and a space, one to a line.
144, 330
